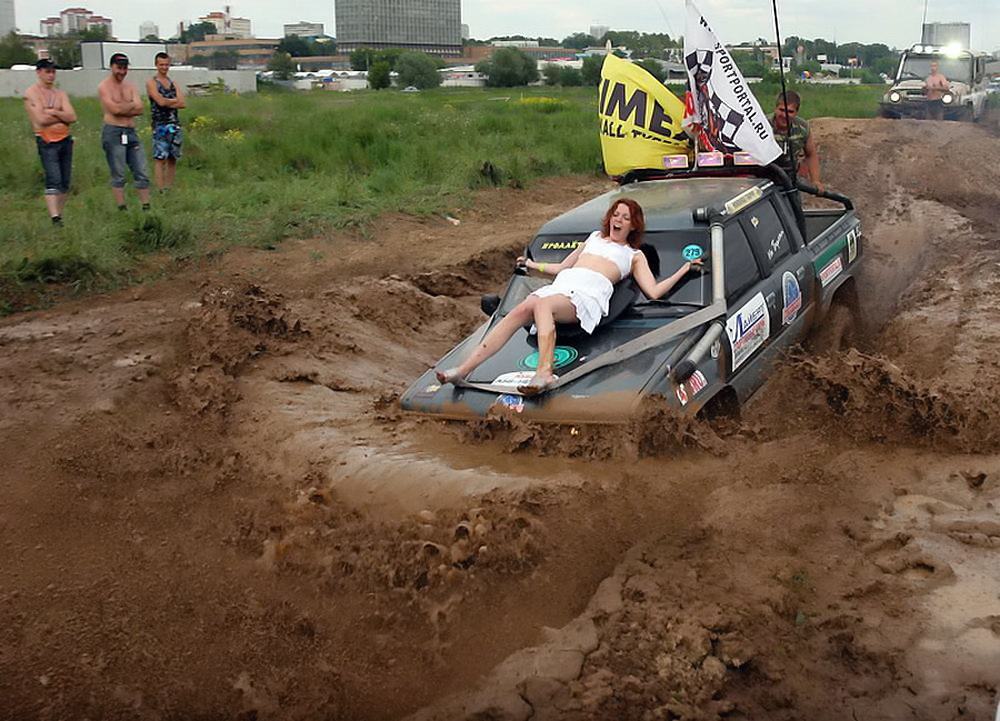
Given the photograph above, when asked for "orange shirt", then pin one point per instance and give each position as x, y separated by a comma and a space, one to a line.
54, 133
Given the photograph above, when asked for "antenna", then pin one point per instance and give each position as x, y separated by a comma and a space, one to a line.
784, 94
666, 21
923, 22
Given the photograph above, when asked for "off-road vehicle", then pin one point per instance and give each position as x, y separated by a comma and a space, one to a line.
773, 273
966, 73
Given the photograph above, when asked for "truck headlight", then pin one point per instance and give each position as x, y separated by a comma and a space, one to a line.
894, 97
947, 98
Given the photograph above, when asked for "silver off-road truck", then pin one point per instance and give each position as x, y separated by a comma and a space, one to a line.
966, 73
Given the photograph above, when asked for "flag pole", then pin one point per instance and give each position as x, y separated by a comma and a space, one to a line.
784, 95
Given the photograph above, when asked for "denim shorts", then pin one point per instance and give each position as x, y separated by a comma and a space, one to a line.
120, 154
57, 163
167, 141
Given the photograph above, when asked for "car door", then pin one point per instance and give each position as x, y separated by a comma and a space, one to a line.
748, 323
787, 272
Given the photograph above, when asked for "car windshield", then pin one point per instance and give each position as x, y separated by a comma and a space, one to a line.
918, 67
674, 248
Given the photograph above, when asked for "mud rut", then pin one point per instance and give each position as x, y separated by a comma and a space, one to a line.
211, 507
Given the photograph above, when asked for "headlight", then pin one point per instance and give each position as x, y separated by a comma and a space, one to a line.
894, 97
947, 98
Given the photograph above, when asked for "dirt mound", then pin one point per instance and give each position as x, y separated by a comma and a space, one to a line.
873, 399
422, 559
483, 270
231, 327
399, 307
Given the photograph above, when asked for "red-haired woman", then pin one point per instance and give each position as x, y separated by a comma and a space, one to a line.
583, 286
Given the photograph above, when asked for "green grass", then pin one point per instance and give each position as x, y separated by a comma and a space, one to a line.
261, 168
820, 101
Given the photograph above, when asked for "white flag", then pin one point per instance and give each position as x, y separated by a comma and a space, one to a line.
721, 101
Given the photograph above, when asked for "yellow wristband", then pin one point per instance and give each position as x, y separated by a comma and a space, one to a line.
541, 267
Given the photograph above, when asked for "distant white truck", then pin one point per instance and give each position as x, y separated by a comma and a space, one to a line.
96, 54
966, 73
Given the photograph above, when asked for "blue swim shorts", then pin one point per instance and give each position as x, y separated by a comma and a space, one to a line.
167, 140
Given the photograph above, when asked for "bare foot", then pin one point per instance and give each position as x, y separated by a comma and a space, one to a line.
539, 383
448, 376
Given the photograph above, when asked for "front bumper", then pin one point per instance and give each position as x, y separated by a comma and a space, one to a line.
917, 108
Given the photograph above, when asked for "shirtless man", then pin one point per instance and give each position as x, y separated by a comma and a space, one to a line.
121, 104
935, 86
165, 99
51, 114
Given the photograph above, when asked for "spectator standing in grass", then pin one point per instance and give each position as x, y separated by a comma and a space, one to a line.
122, 105
165, 99
51, 114
795, 137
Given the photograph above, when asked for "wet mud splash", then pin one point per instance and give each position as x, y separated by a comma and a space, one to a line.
871, 399
655, 429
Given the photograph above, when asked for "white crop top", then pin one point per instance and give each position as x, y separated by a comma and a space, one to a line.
620, 255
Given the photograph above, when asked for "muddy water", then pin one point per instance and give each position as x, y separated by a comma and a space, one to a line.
212, 507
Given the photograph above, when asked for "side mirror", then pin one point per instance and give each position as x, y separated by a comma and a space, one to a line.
489, 303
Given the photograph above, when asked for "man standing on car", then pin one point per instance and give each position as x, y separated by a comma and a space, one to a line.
51, 114
165, 99
794, 136
122, 105
935, 86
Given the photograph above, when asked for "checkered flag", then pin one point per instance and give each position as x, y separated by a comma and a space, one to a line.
729, 122
699, 64
722, 104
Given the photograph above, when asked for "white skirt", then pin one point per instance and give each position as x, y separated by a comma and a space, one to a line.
588, 291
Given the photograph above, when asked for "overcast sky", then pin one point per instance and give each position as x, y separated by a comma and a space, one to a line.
894, 22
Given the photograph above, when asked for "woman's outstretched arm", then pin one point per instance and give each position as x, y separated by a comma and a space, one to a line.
553, 268
646, 281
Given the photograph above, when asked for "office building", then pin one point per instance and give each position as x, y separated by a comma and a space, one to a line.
430, 26
98, 21
599, 31
227, 25
7, 22
304, 29
50, 27
251, 53
76, 20
148, 28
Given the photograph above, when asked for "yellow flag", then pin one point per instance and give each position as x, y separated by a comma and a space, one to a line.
640, 118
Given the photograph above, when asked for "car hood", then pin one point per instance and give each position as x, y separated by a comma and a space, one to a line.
909, 86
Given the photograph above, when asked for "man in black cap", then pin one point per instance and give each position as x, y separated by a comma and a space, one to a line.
121, 104
51, 114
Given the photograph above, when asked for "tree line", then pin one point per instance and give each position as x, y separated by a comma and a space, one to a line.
412, 68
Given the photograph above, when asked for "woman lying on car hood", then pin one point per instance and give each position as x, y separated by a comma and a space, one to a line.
584, 282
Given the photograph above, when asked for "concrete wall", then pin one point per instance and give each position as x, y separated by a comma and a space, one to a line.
83, 83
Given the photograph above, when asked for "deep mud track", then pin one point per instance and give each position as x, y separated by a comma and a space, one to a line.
211, 507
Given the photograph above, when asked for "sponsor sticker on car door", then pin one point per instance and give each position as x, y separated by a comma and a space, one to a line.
748, 329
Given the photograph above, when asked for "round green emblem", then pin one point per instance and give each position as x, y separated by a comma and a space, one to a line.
564, 355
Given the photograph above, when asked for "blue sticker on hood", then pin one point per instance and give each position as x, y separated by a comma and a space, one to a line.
692, 252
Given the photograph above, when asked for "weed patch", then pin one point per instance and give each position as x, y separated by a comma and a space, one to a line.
68, 268
150, 232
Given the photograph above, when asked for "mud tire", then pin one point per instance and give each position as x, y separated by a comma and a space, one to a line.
722, 413
838, 330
